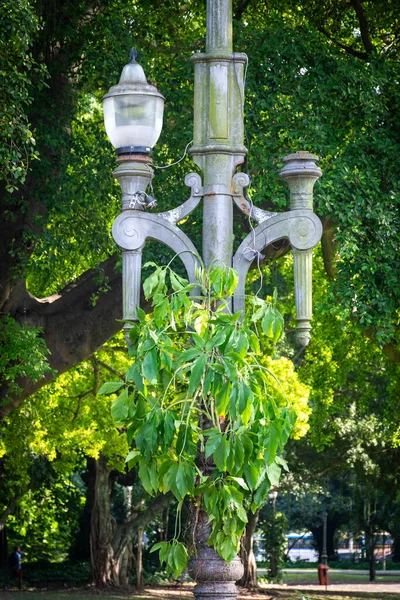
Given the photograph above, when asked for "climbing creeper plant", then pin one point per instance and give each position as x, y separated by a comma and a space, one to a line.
196, 404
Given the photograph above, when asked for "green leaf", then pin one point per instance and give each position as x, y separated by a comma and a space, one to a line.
169, 430
212, 444
200, 323
216, 340
261, 494
177, 282
254, 343
134, 333
190, 475
222, 399
245, 402
239, 453
180, 558
181, 481
231, 282
141, 315
268, 321
147, 438
217, 280
221, 453
233, 400
198, 340
230, 369
208, 380
282, 462
227, 549
164, 548
272, 323
133, 454
240, 481
197, 373
189, 355
110, 387
150, 366
241, 513
171, 480
157, 546
274, 473
134, 375
247, 445
251, 476
145, 478
271, 442
120, 408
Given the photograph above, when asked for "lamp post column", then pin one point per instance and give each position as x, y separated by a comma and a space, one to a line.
218, 129
324, 555
217, 150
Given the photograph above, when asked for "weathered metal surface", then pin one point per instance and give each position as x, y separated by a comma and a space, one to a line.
300, 172
133, 176
302, 228
214, 577
175, 215
302, 265
131, 286
240, 181
132, 228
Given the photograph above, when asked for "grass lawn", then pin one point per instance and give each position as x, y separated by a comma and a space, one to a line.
341, 577
181, 593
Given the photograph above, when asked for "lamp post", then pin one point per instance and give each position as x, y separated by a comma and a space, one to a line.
324, 555
273, 562
133, 115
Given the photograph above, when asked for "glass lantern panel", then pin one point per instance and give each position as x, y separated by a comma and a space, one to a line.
133, 119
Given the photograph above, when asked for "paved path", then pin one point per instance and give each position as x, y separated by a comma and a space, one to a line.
343, 571
389, 588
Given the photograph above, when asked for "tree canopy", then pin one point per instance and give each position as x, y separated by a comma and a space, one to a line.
324, 81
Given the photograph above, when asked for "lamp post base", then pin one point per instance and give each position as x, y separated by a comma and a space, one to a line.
215, 578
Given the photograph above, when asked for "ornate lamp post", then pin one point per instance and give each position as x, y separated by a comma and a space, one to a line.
133, 116
272, 496
324, 555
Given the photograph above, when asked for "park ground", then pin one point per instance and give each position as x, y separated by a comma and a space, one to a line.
296, 586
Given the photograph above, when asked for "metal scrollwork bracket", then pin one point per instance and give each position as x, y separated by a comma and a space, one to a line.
239, 182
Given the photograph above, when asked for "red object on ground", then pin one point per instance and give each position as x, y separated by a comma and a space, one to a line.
323, 575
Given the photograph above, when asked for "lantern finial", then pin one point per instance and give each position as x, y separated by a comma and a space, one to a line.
133, 54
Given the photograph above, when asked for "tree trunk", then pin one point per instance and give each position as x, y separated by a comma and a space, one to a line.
101, 530
370, 540
3, 548
395, 547
80, 549
249, 579
111, 544
123, 565
139, 560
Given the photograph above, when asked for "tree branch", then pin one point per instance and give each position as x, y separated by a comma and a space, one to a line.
241, 7
110, 368
93, 391
364, 28
73, 327
392, 351
138, 520
348, 49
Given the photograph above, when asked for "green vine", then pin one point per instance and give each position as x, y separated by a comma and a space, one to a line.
197, 405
